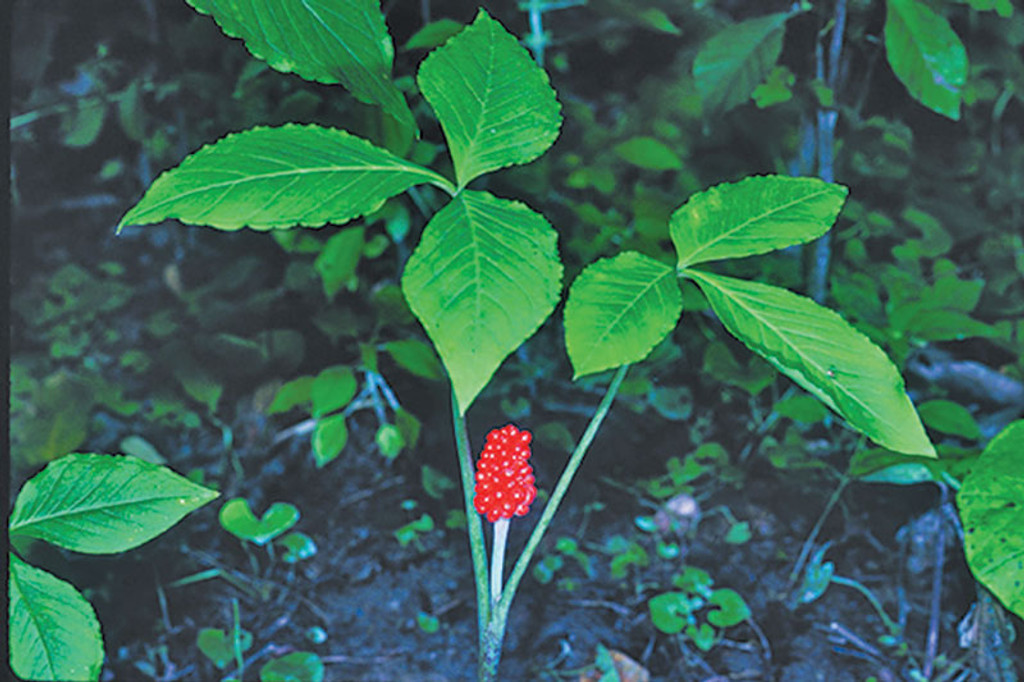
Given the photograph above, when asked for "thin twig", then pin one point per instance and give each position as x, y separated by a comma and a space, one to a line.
812, 538
932, 646
848, 635
623, 611
363, 660
766, 646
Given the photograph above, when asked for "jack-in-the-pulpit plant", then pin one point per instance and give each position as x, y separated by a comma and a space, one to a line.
486, 272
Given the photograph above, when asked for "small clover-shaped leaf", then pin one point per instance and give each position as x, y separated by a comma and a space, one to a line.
732, 609
237, 518
703, 636
297, 546
669, 611
217, 646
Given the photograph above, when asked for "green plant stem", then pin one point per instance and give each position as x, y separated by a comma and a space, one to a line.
490, 646
805, 551
475, 528
236, 639
891, 625
498, 557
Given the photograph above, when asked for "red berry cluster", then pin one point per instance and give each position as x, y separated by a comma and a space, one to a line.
504, 479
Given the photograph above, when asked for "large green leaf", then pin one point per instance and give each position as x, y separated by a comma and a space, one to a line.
101, 504
991, 503
328, 41
755, 215
736, 60
926, 55
483, 278
820, 351
279, 177
494, 103
54, 633
618, 310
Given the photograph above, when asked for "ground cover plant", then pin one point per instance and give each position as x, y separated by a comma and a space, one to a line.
486, 275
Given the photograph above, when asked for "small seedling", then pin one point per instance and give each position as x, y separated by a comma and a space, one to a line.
428, 623
410, 532
699, 611
297, 547
237, 518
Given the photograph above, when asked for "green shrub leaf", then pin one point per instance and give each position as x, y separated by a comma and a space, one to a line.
821, 352
54, 633
949, 417
332, 389
618, 310
328, 41
292, 394
483, 278
494, 103
926, 55
736, 60
991, 503
101, 504
649, 153
329, 438
756, 215
267, 178
433, 35
416, 357
339, 259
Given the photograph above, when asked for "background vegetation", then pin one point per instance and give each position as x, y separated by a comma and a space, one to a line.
173, 343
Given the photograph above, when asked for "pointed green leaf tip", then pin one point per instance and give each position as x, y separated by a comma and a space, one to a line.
328, 41
756, 215
494, 103
267, 178
618, 310
821, 352
484, 277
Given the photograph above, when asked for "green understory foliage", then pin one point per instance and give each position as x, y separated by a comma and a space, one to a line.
464, 223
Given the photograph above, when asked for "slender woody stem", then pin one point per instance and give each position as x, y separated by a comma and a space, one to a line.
477, 548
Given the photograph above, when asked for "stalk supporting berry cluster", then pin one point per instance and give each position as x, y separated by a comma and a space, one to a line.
504, 488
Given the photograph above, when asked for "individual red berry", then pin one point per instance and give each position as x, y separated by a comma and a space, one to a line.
504, 479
